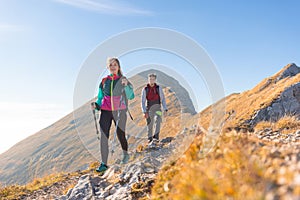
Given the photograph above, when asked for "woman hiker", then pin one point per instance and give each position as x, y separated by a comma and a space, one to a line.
114, 90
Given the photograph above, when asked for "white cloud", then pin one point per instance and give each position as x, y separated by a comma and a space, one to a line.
20, 120
106, 7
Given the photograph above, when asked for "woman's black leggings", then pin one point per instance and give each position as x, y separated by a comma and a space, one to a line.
106, 118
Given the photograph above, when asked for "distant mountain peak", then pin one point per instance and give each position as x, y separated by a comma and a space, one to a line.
288, 71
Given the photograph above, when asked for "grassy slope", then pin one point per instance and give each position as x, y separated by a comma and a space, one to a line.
240, 167
247, 103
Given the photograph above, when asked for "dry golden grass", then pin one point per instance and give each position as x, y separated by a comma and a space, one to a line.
94, 165
286, 124
264, 125
12, 192
226, 173
240, 167
16, 191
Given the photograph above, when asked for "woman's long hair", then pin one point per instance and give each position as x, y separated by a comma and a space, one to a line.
110, 60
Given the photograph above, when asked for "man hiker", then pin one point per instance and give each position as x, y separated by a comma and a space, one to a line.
152, 99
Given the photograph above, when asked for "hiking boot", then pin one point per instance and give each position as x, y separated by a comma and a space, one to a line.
103, 167
125, 158
155, 141
152, 144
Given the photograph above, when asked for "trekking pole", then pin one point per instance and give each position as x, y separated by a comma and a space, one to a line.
95, 119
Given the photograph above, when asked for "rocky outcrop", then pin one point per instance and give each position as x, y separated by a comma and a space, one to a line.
289, 71
288, 103
83, 190
139, 174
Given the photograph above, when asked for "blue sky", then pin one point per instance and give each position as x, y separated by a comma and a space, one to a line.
44, 43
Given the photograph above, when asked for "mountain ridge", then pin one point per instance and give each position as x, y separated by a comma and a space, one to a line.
69, 144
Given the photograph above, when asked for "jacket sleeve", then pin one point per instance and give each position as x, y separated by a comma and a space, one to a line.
100, 96
163, 99
144, 100
129, 91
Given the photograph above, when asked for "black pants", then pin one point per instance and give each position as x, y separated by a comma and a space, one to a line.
151, 120
106, 118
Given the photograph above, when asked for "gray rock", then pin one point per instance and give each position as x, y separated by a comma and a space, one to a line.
107, 189
112, 191
69, 192
287, 104
83, 190
111, 171
104, 194
96, 180
64, 197
290, 71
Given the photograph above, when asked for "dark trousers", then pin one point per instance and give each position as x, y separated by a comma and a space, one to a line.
106, 119
151, 120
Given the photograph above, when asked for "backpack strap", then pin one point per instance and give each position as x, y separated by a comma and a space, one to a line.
103, 81
146, 90
126, 100
157, 90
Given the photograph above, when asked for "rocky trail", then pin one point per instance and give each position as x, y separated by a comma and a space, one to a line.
133, 180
